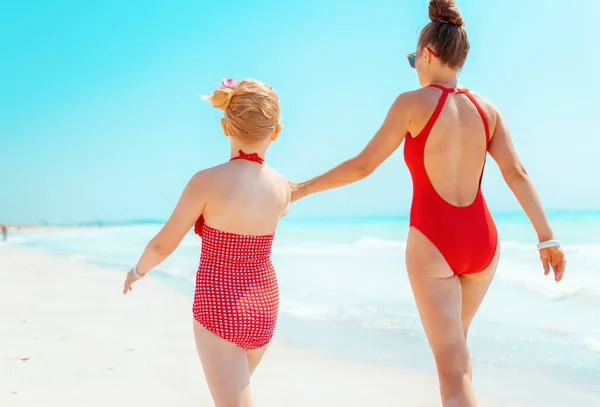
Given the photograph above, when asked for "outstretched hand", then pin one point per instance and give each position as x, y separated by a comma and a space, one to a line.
129, 280
554, 257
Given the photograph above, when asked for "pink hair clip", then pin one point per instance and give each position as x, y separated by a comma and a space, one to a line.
228, 83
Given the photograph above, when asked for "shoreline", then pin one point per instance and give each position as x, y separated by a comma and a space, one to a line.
71, 334
20, 229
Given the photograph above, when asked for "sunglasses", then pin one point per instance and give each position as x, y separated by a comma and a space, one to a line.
413, 57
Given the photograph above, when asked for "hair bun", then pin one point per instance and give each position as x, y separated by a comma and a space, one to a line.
221, 98
445, 11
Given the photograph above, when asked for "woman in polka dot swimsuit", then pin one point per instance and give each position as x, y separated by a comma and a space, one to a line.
235, 208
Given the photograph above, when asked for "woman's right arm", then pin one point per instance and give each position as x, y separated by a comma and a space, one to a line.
387, 139
503, 152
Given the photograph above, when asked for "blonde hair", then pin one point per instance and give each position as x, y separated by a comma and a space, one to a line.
251, 109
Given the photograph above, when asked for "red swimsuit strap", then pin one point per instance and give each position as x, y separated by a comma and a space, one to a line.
483, 118
466, 92
434, 116
445, 89
250, 157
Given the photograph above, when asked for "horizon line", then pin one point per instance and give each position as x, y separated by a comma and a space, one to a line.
358, 218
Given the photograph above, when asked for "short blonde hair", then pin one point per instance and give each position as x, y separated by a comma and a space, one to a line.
251, 109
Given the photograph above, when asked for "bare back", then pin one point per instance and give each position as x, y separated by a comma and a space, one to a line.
456, 147
245, 198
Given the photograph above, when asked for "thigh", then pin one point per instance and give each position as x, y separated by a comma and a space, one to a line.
254, 357
474, 287
438, 296
225, 367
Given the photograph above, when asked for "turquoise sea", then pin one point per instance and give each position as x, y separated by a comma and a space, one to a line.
345, 293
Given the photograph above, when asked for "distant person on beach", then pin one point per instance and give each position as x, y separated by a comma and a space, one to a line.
452, 249
4, 232
235, 208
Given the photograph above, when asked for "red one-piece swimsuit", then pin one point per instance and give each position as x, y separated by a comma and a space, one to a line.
466, 236
237, 295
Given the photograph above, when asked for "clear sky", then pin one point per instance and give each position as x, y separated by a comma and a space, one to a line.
100, 115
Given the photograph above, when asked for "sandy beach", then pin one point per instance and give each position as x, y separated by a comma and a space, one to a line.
68, 337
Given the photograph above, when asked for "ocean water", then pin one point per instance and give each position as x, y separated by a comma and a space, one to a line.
345, 293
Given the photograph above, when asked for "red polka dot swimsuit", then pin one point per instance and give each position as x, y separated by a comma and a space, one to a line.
237, 295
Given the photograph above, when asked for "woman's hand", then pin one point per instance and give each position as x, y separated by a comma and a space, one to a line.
129, 280
554, 257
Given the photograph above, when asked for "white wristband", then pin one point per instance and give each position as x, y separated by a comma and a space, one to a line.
548, 243
136, 274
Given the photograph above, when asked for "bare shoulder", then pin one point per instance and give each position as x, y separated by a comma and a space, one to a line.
202, 180
206, 174
425, 99
426, 94
405, 108
406, 101
420, 104
411, 95
214, 173
490, 110
280, 182
485, 103
276, 176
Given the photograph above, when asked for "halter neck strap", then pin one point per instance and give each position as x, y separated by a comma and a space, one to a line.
254, 157
449, 90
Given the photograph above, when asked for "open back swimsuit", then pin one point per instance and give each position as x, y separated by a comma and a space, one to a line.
465, 235
236, 296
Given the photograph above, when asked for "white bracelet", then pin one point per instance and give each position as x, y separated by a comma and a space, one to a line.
548, 243
136, 274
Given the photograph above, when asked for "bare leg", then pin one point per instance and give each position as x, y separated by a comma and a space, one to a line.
225, 367
438, 295
254, 357
474, 287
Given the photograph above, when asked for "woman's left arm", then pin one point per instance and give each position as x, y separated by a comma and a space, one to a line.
188, 210
387, 139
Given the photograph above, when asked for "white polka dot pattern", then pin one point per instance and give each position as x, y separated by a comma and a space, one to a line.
237, 295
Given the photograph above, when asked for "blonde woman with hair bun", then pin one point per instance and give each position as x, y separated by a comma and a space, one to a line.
235, 208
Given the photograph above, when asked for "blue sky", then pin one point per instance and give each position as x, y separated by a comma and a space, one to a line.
100, 117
